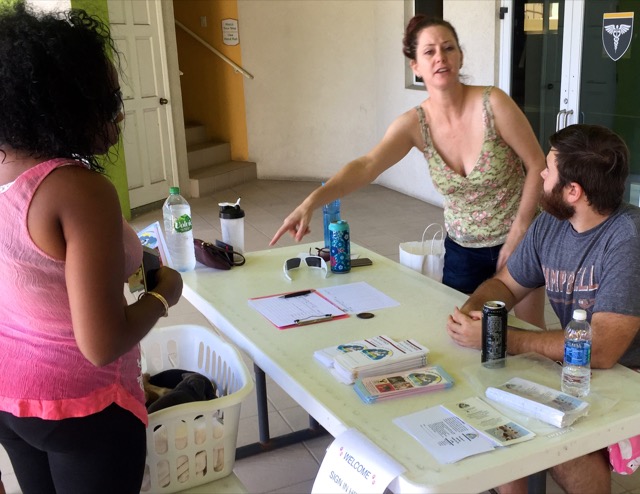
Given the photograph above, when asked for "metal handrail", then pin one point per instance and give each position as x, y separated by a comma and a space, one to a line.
235, 66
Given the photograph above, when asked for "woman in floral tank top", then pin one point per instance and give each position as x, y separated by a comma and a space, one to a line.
483, 158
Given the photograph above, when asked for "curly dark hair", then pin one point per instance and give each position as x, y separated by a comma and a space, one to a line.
57, 91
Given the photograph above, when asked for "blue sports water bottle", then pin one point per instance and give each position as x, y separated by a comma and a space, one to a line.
330, 213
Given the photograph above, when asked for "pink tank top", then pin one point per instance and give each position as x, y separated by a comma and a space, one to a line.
44, 374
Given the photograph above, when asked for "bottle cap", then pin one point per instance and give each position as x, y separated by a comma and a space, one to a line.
229, 211
174, 190
580, 314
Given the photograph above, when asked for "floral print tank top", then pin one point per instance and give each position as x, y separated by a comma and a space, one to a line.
479, 208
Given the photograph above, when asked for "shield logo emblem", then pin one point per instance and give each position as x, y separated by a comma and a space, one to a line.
617, 29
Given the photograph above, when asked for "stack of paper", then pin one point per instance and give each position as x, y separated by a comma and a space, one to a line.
372, 357
411, 382
538, 401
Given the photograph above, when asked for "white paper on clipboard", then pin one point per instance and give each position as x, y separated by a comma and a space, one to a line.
286, 312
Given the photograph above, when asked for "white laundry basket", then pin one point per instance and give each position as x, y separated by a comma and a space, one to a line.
194, 443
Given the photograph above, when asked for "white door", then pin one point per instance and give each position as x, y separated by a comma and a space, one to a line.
561, 73
136, 26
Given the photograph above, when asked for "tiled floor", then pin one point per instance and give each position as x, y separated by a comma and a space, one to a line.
379, 219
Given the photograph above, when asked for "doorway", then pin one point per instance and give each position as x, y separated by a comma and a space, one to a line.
148, 135
561, 73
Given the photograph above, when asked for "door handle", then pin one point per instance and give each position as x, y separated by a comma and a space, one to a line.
566, 117
164, 101
558, 116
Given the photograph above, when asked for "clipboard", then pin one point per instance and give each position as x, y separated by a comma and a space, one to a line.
301, 308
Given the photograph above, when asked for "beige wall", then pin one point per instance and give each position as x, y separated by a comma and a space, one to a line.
212, 92
330, 79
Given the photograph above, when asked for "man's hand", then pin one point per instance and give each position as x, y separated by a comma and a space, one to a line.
466, 330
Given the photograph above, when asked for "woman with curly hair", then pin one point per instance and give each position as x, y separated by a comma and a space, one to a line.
72, 414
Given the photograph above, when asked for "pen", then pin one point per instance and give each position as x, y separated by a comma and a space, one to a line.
297, 294
302, 322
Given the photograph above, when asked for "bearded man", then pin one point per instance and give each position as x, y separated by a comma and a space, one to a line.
585, 249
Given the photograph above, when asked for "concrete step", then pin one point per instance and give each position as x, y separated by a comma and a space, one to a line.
221, 176
205, 154
195, 133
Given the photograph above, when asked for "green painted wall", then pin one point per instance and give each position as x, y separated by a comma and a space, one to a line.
116, 165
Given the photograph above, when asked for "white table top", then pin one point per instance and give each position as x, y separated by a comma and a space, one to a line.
287, 357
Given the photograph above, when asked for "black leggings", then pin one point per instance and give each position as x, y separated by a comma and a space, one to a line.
102, 453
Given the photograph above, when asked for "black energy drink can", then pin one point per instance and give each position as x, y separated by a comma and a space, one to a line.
494, 334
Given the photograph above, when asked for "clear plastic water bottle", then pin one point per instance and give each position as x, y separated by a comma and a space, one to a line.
576, 369
178, 231
330, 214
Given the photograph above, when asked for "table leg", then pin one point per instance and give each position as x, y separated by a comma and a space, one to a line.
314, 424
268, 443
537, 483
263, 411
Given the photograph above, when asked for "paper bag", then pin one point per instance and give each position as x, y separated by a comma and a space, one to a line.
425, 256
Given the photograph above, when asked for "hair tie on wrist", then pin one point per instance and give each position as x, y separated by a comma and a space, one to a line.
160, 298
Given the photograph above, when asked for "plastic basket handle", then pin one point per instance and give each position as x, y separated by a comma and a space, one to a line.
440, 232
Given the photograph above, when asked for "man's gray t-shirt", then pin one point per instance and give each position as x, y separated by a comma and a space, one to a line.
597, 270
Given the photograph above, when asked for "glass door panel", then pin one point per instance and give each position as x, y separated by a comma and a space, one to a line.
537, 63
608, 88
561, 74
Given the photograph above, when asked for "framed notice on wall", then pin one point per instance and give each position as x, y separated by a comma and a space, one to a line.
230, 34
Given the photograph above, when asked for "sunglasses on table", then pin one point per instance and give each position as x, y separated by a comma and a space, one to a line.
315, 262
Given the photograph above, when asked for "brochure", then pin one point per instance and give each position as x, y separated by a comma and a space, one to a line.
447, 437
377, 356
407, 383
155, 255
538, 401
500, 430
457, 430
326, 355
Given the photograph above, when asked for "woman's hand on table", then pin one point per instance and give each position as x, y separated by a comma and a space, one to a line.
466, 330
